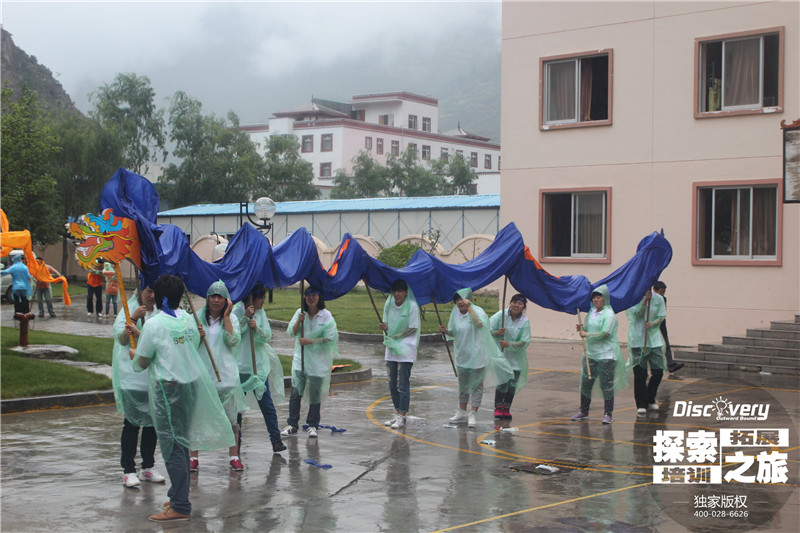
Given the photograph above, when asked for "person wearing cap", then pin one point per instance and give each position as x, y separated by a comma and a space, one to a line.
646, 349
221, 331
400, 325
314, 353
603, 355
513, 336
266, 383
478, 358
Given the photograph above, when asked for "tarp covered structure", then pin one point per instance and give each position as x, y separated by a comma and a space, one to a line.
250, 258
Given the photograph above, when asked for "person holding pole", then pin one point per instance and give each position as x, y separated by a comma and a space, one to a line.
646, 348
315, 348
184, 404
478, 357
511, 330
130, 393
221, 331
400, 325
265, 381
43, 292
602, 359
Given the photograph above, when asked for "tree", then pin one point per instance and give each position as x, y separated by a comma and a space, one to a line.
30, 198
127, 108
88, 155
370, 179
462, 175
219, 162
413, 179
288, 176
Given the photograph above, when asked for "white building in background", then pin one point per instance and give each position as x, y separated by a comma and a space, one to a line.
331, 134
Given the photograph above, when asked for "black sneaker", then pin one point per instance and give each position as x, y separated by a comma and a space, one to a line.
675, 367
278, 446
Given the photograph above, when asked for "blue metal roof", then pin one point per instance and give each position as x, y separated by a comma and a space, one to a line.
476, 201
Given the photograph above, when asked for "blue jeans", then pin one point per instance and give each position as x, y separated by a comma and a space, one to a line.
178, 472
267, 411
399, 384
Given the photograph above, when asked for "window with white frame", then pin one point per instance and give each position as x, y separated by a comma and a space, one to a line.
327, 142
412, 122
487, 161
426, 152
324, 170
737, 222
576, 90
386, 120
473, 159
308, 143
574, 224
379, 146
445, 155
740, 72
426, 124
412, 147
396, 148
368, 143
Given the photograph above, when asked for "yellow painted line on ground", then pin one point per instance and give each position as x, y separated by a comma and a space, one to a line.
539, 508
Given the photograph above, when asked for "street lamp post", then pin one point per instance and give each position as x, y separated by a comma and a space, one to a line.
263, 209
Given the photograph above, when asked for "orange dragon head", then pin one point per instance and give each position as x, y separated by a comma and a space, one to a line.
105, 236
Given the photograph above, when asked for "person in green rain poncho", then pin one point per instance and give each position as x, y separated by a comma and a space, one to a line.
221, 331
511, 330
478, 359
400, 325
267, 381
314, 353
185, 407
605, 358
644, 320
130, 393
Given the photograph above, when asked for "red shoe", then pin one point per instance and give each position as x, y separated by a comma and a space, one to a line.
194, 464
498, 412
236, 465
506, 413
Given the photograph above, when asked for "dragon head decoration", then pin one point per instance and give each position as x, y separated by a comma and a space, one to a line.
105, 236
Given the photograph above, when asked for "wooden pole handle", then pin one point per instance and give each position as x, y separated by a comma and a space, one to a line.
444, 338
583, 339
124, 297
205, 341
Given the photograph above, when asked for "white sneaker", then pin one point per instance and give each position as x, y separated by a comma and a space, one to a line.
471, 422
150, 474
653, 407
131, 480
391, 420
312, 432
289, 430
460, 416
88, 314
641, 411
399, 422
99, 315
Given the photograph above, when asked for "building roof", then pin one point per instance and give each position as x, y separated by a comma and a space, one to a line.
312, 108
404, 203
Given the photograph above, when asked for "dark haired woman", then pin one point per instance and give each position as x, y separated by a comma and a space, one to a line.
513, 335
311, 367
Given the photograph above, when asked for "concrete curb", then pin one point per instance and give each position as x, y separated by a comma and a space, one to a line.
106, 397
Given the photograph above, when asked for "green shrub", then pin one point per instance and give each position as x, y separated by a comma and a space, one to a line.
397, 256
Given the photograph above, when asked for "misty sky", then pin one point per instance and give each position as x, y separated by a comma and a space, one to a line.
256, 58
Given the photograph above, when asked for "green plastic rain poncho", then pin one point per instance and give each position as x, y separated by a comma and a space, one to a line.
315, 382
183, 402
268, 365
602, 347
637, 316
224, 349
399, 319
475, 349
130, 387
518, 334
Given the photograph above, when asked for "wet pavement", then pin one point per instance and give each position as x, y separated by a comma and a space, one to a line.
60, 468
